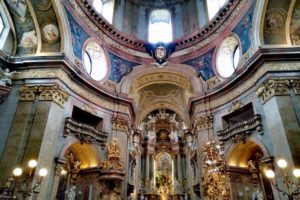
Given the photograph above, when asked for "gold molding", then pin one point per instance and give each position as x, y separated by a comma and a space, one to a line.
277, 87
235, 105
237, 92
295, 83
203, 123
45, 92
27, 93
120, 124
53, 93
163, 77
79, 90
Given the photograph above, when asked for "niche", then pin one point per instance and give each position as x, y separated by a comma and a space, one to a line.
87, 118
244, 113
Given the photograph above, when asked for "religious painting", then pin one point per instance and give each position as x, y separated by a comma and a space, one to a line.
50, 33
119, 67
244, 29
163, 170
29, 40
79, 36
19, 7
203, 65
295, 24
275, 22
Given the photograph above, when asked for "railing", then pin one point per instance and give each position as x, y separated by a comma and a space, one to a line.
241, 130
84, 132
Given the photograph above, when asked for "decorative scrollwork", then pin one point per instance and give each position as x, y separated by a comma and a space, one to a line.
112, 167
240, 131
83, 132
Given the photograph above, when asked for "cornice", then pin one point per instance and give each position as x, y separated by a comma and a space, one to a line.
263, 61
251, 71
105, 30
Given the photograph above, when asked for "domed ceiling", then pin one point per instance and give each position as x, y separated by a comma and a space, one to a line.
196, 38
157, 3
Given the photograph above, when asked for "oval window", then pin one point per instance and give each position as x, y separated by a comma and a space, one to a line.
228, 57
95, 62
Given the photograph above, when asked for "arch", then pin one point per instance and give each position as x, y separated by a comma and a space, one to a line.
64, 28
142, 114
8, 34
242, 151
178, 74
92, 160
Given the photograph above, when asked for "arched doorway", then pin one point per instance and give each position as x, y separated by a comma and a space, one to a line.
79, 171
246, 171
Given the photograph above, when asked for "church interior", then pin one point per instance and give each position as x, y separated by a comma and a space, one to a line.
150, 99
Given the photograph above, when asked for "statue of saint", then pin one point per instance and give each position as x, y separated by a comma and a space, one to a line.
5, 77
258, 195
71, 195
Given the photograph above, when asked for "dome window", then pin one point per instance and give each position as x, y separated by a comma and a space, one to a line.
213, 7
95, 62
228, 56
105, 8
160, 26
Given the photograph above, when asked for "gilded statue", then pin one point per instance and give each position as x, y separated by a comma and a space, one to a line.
114, 150
214, 186
163, 192
113, 162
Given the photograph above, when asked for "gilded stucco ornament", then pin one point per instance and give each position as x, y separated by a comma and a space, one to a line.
44, 92
203, 123
53, 93
120, 123
27, 93
235, 105
112, 167
215, 185
277, 87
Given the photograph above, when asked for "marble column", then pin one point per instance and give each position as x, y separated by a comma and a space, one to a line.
282, 121
42, 108
17, 139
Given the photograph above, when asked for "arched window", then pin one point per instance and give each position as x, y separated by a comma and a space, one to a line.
95, 62
6, 38
228, 56
1, 25
213, 6
160, 26
105, 8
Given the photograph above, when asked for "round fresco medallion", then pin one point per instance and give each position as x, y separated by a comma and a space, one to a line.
50, 33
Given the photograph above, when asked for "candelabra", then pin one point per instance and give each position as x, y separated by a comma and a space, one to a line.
293, 188
24, 186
